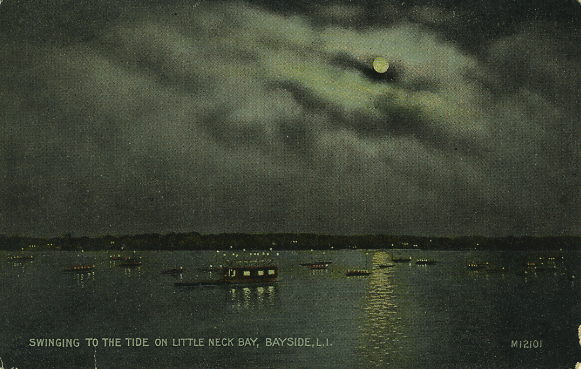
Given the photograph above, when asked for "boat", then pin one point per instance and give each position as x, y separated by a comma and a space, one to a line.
383, 266
327, 263
357, 272
498, 270
80, 268
119, 257
178, 270
543, 264
239, 275
22, 258
426, 261
540, 267
211, 269
401, 259
318, 266
476, 266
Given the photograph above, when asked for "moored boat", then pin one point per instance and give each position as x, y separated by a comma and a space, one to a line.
476, 266
401, 259
211, 269
540, 267
357, 272
239, 274
426, 261
498, 270
327, 263
22, 258
201, 282
383, 266
119, 257
80, 268
318, 266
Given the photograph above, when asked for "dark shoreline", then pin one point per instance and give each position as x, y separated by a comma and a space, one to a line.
283, 241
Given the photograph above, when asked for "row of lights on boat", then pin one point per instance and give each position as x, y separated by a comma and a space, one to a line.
252, 253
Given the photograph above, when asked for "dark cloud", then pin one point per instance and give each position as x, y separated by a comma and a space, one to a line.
268, 117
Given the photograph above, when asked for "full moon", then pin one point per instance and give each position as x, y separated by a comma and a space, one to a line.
380, 64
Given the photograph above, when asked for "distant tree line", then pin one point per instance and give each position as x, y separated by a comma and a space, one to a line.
283, 241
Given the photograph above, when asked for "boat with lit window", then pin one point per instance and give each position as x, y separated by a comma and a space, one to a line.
317, 263
119, 257
357, 272
22, 258
238, 275
80, 268
318, 266
476, 265
426, 261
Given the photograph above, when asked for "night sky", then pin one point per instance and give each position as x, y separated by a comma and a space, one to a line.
125, 117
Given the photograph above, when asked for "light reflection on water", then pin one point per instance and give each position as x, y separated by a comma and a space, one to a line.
318, 272
21, 267
403, 316
381, 329
245, 297
82, 279
131, 271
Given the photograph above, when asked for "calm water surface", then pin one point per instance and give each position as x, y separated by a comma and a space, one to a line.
405, 316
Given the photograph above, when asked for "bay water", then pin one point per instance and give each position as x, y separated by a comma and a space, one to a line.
405, 315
